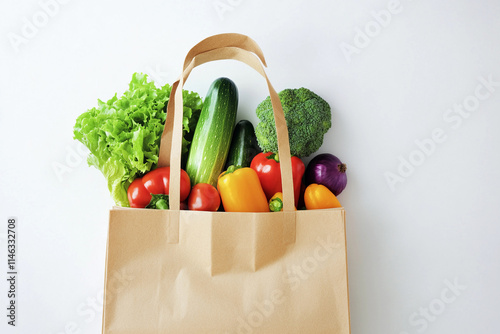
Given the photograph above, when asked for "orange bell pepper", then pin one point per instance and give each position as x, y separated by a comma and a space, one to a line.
240, 191
317, 196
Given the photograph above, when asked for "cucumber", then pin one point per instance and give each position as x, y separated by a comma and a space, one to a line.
244, 145
212, 136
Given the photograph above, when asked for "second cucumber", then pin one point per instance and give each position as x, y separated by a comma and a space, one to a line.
212, 136
244, 146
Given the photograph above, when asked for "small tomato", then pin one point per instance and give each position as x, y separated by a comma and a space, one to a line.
204, 197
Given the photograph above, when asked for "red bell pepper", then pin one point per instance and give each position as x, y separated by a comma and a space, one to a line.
152, 189
267, 167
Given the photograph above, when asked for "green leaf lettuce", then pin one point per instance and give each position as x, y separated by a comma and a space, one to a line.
123, 134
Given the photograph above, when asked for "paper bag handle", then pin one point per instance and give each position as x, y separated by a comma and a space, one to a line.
219, 47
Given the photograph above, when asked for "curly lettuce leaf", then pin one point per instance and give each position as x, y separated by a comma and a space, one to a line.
123, 134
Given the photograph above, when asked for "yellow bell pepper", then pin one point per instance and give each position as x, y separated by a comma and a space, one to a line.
276, 202
317, 196
241, 191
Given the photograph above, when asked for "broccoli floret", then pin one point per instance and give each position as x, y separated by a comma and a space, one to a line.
308, 118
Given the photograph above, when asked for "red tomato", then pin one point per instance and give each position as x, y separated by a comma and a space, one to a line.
204, 197
138, 196
155, 182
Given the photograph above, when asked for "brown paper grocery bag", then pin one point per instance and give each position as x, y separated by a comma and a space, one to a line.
176, 271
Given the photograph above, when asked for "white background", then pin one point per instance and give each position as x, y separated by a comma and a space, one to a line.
439, 223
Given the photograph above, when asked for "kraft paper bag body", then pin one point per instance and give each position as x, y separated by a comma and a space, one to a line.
179, 271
